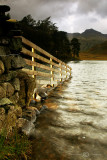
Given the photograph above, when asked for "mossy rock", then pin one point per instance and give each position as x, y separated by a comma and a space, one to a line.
27, 85
8, 77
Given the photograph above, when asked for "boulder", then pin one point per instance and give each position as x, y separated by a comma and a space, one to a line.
5, 101
10, 121
27, 85
4, 51
20, 123
16, 84
8, 77
15, 98
30, 115
9, 89
2, 93
17, 62
18, 111
2, 118
7, 62
1, 67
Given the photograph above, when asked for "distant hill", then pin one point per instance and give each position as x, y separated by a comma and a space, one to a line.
88, 38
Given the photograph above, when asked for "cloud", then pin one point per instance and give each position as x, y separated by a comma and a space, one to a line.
68, 14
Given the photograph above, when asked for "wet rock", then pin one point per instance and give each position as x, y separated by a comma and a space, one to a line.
2, 93
9, 76
21, 122
16, 84
1, 67
44, 107
9, 89
42, 92
30, 115
17, 62
5, 101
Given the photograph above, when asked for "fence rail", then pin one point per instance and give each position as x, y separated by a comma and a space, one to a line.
57, 70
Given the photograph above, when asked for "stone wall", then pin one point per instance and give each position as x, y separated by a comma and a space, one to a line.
16, 89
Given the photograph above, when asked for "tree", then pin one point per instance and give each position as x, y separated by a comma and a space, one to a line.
75, 47
45, 34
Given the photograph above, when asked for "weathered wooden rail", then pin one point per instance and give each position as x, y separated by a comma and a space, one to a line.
54, 69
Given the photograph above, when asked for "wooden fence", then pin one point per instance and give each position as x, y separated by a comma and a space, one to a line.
49, 66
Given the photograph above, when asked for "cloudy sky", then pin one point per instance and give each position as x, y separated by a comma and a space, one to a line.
69, 15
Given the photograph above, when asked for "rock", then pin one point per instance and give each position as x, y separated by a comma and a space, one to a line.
21, 122
2, 93
1, 67
38, 98
5, 101
9, 76
15, 98
34, 109
18, 111
10, 121
9, 89
16, 84
42, 92
2, 118
15, 43
4, 51
43, 108
7, 62
17, 62
27, 85
30, 115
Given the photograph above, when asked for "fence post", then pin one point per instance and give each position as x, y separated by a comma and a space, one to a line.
33, 68
61, 72
70, 72
66, 71
52, 77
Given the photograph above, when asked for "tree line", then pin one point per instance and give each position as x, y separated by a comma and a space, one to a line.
46, 35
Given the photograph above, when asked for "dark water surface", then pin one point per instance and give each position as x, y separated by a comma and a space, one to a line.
75, 126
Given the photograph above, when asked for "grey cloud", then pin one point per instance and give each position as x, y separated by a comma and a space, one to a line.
64, 12
97, 6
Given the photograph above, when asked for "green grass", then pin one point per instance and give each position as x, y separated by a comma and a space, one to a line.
16, 147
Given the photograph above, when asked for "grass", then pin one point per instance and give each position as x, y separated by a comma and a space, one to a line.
16, 147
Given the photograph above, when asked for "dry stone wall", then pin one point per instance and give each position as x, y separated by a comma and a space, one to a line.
16, 89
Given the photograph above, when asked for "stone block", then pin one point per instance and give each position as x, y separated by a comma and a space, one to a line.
16, 84
5, 101
8, 77
9, 89
2, 93
17, 62
1, 67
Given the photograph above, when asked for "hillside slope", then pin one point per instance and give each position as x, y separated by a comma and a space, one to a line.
98, 52
88, 38
99, 49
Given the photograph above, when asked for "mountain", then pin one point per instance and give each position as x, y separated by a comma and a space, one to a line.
99, 49
88, 38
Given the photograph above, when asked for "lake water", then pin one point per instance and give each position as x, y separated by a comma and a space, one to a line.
75, 125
